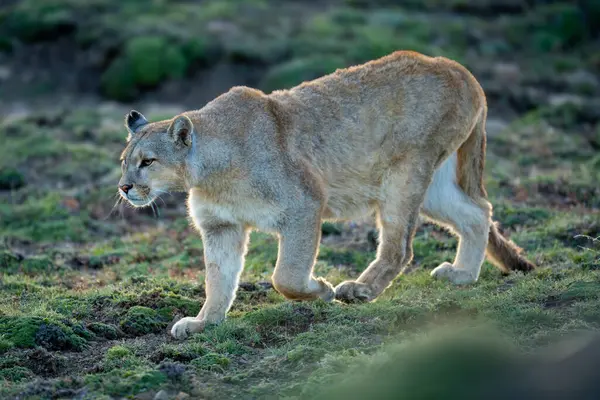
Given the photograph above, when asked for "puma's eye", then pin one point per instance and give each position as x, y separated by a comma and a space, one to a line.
146, 162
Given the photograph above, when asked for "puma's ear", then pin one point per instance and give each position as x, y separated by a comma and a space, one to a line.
181, 130
133, 121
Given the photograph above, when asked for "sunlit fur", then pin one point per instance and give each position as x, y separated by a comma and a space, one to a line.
396, 136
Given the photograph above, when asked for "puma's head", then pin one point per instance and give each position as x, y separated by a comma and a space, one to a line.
153, 163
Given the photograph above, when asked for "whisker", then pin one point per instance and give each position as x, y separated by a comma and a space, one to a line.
153, 210
114, 207
161, 199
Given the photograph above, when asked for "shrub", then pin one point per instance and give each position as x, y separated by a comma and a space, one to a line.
146, 62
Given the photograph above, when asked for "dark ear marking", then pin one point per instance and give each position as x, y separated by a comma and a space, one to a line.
181, 130
133, 121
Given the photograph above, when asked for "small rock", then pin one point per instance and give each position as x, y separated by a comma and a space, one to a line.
162, 395
182, 396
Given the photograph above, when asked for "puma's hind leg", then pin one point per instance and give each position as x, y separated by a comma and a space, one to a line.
403, 191
446, 204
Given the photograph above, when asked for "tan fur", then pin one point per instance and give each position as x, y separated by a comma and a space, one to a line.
365, 138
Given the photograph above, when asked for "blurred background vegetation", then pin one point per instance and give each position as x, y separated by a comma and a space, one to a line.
125, 49
87, 292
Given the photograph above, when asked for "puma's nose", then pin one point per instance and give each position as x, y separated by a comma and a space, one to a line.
126, 188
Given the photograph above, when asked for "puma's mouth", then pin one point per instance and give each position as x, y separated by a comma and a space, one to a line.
137, 201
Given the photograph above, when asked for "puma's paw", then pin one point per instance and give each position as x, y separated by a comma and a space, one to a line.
353, 292
187, 326
455, 275
327, 290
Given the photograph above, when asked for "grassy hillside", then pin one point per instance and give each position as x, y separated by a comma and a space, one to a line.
88, 291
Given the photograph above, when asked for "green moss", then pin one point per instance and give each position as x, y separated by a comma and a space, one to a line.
38, 331
55, 336
231, 337
303, 353
16, 374
118, 352
141, 320
182, 352
105, 330
277, 323
122, 359
20, 331
54, 222
126, 382
211, 362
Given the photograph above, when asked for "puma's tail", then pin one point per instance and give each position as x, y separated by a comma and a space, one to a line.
502, 252
505, 254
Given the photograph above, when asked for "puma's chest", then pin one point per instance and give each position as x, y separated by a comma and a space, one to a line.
249, 212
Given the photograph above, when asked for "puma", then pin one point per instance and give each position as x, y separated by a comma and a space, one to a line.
397, 136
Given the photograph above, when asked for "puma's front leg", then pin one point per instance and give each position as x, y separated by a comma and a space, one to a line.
224, 250
298, 246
